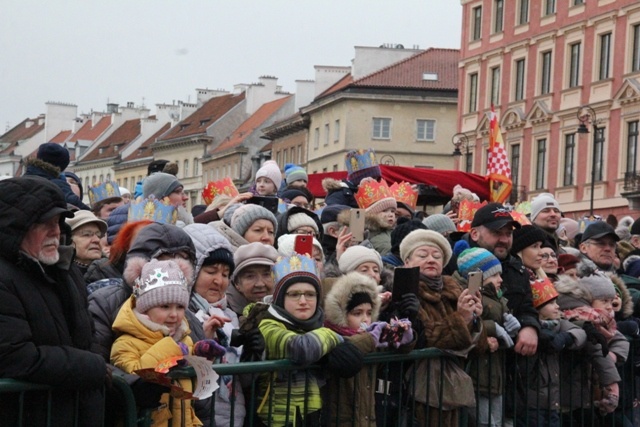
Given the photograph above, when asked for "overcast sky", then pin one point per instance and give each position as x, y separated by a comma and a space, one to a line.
89, 53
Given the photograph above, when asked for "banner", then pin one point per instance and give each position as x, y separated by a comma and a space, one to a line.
498, 168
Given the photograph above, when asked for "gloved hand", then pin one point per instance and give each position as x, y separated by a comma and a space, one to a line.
378, 331
345, 360
184, 348
409, 306
609, 402
209, 349
254, 341
511, 324
407, 335
502, 334
595, 337
561, 340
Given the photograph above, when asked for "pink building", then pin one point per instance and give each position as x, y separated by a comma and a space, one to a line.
539, 62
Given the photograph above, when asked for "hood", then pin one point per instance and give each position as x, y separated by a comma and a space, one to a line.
35, 165
335, 303
283, 222
232, 237
206, 240
625, 296
330, 184
571, 293
157, 239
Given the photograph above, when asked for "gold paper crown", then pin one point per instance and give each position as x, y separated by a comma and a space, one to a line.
215, 188
371, 191
543, 291
404, 193
102, 191
152, 209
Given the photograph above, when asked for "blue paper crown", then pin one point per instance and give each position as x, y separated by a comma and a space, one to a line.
105, 190
154, 210
295, 263
360, 159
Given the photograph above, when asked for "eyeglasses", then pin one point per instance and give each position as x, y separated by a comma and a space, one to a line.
308, 295
306, 232
603, 243
86, 234
253, 278
549, 255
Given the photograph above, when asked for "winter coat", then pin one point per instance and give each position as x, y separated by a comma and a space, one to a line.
53, 173
142, 344
117, 219
103, 269
46, 329
340, 192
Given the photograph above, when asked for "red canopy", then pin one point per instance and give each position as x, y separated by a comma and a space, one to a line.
442, 181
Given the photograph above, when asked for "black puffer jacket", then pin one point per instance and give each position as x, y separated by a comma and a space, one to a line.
37, 167
45, 331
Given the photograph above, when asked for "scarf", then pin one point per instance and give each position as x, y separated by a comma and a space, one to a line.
199, 303
603, 321
434, 284
344, 331
313, 323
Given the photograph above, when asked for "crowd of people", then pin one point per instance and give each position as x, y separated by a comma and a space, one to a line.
536, 317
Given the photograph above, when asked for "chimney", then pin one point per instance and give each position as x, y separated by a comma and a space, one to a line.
112, 108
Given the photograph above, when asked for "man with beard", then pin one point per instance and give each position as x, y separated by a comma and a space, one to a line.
546, 214
46, 328
598, 246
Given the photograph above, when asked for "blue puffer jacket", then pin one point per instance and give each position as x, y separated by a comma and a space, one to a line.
52, 173
117, 218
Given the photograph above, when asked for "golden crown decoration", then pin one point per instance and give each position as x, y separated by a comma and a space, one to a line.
404, 193
102, 191
295, 263
153, 209
356, 160
216, 188
371, 191
543, 291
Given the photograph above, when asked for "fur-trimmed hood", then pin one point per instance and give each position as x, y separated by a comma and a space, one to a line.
571, 293
48, 169
330, 184
335, 303
372, 222
625, 296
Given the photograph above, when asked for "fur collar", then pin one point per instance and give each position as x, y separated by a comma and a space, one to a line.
48, 168
330, 184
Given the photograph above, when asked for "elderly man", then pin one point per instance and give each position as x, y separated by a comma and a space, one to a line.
46, 329
546, 214
598, 245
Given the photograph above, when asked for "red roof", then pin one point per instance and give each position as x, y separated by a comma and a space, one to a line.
115, 142
249, 126
210, 112
20, 132
145, 149
88, 132
62, 136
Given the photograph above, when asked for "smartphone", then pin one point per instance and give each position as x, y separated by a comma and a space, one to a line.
303, 245
356, 224
270, 203
475, 282
405, 281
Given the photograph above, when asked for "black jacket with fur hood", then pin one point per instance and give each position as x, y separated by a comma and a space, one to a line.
52, 173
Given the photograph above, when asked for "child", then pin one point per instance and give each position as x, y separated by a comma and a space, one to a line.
152, 328
292, 329
500, 327
268, 179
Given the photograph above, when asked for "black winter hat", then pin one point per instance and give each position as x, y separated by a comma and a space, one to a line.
54, 154
220, 255
342, 196
526, 236
403, 228
330, 213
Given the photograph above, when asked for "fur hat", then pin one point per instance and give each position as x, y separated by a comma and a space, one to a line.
418, 238
271, 170
541, 202
159, 184
526, 236
347, 291
161, 282
255, 253
301, 219
357, 255
440, 223
470, 259
294, 269
294, 173
54, 154
247, 214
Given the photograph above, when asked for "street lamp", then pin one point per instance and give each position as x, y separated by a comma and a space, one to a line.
458, 140
587, 115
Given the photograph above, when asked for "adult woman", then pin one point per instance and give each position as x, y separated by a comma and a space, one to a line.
255, 224
527, 244
549, 262
86, 232
447, 319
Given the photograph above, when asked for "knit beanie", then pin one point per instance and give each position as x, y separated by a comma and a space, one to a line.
357, 299
571, 226
54, 154
330, 213
355, 256
294, 269
294, 173
526, 236
270, 170
471, 259
440, 223
298, 220
382, 205
286, 244
599, 285
541, 202
229, 211
292, 193
404, 227
159, 184
160, 283
247, 214
220, 256
418, 238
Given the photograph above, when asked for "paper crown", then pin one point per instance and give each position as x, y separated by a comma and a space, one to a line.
300, 265
105, 190
520, 217
157, 278
356, 160
152, 209
371, 191
543, 291
216, 188
404, 193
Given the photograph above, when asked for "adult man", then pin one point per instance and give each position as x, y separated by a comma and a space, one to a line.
546, 214
598, 245
492, 229
45, 332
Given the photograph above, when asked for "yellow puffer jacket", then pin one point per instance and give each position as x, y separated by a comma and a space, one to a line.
143, 344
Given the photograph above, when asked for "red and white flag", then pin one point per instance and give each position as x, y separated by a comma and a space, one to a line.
498, 168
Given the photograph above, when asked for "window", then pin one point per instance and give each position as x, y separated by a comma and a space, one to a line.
515, 164
324, 170
549, 7
632, 146
118, 182
598, 151
185, 172
279, 158
605, 53
299, 162
519, 89
426, 130
468, 161
293, 154
316, 138
578, 2
498, 16
635, 45
284, 156
574, 65
335, 168
196, 165
476, 30
541, 158
545, 77
473, 92
101, 179
381, 128
523, 12
495, 86
569, 158
336, 131
326, 134
108, 177
125, 182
